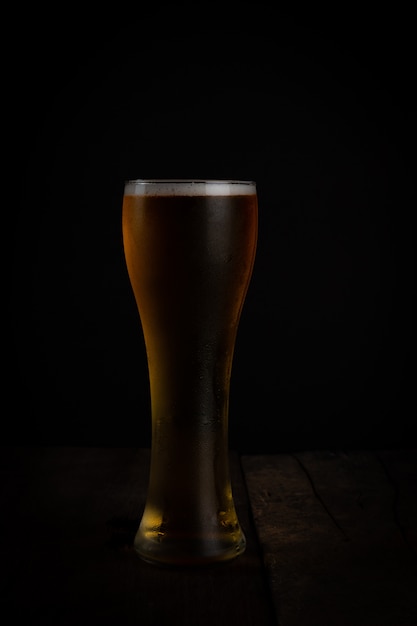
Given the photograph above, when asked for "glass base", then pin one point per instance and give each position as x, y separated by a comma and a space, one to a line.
173, 550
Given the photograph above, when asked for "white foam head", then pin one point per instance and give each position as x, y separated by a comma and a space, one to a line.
182, 187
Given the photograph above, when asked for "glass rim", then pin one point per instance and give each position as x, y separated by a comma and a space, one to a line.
189, 187
189, 181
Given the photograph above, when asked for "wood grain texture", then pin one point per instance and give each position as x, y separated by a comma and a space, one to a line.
68, 522
331, 541
401, 471
337, 536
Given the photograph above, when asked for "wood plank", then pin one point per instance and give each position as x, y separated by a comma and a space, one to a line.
401, 470
67, 554
333, 548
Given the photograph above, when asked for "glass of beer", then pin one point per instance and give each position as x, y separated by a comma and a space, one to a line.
190, 248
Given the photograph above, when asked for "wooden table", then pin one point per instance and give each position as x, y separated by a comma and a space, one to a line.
332, 540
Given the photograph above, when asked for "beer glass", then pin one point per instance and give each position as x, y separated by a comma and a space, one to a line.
189, 248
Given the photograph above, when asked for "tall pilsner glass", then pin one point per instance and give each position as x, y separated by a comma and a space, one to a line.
189, 248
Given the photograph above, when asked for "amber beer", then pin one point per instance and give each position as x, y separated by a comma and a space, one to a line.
189, 248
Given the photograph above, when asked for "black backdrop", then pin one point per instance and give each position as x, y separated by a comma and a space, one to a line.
318, 109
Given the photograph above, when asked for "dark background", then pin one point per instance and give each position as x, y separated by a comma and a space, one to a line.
319, 110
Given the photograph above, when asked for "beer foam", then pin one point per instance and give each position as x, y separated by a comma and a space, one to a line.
189, 187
